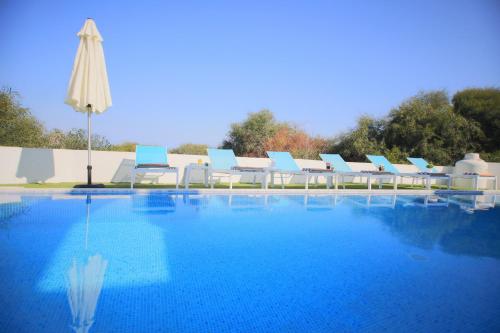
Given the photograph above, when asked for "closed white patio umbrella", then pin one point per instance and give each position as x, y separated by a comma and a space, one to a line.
85, 285
85, 280
88, 89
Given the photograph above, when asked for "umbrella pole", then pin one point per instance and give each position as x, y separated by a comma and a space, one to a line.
88, 201
89, 164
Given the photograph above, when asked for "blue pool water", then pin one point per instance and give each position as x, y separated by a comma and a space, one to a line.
221, 263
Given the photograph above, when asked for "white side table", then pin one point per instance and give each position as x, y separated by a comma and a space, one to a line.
195, 166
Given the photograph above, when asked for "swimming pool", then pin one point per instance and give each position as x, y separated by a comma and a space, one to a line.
248, 263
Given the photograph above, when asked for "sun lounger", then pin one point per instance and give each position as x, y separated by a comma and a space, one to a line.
284, 165
343, 170
382, 162
432, 172
223, 163
422, 164
152, 159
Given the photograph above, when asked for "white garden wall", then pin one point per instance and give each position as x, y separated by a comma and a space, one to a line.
30, 165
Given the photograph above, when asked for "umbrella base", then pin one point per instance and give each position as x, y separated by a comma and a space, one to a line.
89, 186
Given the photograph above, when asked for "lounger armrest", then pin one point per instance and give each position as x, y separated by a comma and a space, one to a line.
413, 174
434, 174
472, 175
374, 172
248, 169
292, 172
152, 165
316, 170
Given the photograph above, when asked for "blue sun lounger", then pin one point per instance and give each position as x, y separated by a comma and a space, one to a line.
284, 164
223, 163
342, 169
383, 163
422, 164
152, 159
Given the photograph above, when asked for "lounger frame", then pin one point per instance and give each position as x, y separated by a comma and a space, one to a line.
224, 161
152, 155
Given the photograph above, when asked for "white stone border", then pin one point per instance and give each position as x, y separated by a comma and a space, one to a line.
15, 189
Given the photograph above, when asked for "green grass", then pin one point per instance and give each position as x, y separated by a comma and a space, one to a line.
355, 186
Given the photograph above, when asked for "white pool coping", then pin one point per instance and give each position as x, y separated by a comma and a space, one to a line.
17, 189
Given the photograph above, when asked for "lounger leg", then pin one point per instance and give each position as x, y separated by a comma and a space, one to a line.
186, 177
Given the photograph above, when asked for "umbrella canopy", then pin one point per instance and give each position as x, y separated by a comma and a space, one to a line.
89, 80
88, 89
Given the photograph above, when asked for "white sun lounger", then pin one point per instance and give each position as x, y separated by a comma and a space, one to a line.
284, 165
223, 163
152, 159
343, 170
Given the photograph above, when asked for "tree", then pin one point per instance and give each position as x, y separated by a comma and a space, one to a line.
18, 127
483, 107
297, 142
56, 139
366, 138
249, 137
190, 148
425, 125
125, 146
77, 139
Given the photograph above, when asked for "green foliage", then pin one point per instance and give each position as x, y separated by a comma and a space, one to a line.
366, 138
395, 155
249, 137
18, 127
77, 139
191, 149
491, 156
55, 139
125, 146
297, 142
425, 125
483, 107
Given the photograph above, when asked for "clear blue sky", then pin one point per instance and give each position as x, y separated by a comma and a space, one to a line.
182, 71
